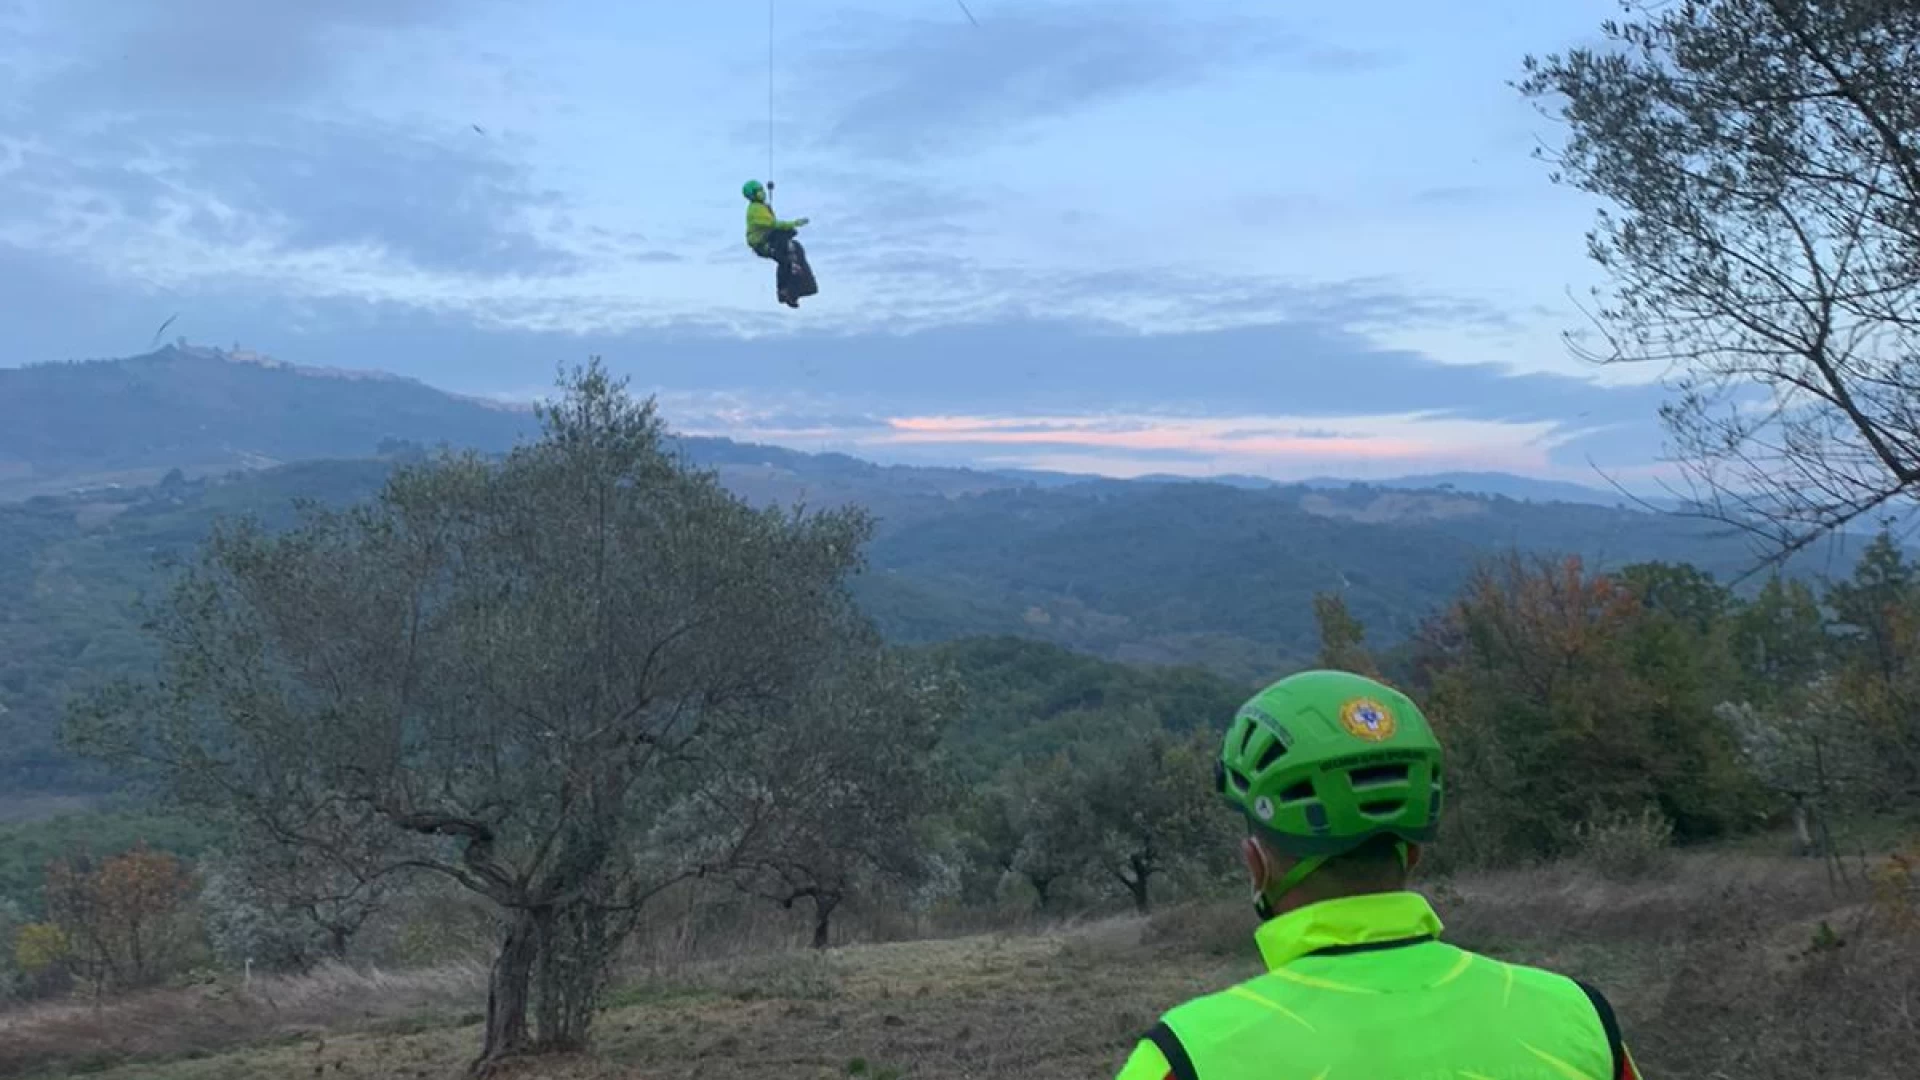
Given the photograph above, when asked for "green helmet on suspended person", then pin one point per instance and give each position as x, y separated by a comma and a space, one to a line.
1322, 762
753, 189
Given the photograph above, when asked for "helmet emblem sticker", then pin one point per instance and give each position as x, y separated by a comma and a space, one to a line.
1263, 808
1367, 719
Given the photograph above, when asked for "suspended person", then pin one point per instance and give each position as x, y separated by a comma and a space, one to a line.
771, 238
1339, 779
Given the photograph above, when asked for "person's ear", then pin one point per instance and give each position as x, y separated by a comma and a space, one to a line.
1259, 871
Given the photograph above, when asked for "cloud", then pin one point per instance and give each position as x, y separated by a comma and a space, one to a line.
181, 133
1253, 433
1291, 369
916, 87
1010, 367
1455, 196
880, 218
1310, 371
54, 310
1293, 397
1173, 437
187, 53
435, 203
1375, 446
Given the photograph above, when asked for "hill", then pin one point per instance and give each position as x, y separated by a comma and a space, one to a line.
131, 421
1500, 485
1163, 573
1167, 571
92, 426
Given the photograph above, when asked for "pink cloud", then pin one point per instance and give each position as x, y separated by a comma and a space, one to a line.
1218, 436
1132, 444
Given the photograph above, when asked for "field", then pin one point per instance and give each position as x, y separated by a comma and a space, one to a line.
1719, 968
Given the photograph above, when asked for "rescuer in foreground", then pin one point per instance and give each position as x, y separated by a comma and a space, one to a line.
1340, 779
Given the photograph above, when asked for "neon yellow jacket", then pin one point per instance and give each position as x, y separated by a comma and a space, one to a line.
1363, 988
761, 224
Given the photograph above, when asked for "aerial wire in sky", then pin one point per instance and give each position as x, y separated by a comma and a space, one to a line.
964, 10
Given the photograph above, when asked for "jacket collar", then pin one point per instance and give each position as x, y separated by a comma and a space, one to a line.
1371, 919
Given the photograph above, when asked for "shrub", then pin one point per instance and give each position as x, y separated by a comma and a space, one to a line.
1626, 847
38, 947
1219, 928
1895, 883
794, 976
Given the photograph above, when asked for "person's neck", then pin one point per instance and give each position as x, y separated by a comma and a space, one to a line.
1306, 896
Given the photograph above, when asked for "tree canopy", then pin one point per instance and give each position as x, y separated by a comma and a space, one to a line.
1763, 241
533, 678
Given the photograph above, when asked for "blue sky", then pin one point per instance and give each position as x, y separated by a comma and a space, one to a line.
1168, 237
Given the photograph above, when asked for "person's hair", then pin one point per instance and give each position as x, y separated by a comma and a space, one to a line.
1372, 867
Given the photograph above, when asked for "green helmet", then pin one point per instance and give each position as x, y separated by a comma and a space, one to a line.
1324, 761
752, 189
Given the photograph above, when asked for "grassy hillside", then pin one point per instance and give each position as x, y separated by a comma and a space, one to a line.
1715, 971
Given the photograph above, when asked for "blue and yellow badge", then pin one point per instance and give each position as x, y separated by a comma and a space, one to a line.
1367, 719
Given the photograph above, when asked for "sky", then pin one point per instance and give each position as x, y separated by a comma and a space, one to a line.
1211, 236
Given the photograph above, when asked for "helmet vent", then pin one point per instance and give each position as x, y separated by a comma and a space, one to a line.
1271, 754
1383, 807
1238, 779
1246, 735
1377, 775
1299, 792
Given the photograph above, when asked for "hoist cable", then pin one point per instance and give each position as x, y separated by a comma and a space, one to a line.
768, 91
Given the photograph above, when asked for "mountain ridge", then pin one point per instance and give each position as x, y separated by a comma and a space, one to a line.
1165, 572
67, 425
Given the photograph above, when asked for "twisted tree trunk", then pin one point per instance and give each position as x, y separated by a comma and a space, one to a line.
509, 988
823, 905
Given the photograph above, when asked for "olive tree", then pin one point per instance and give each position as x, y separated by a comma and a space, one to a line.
1762, 159
290, 907
841, 787
1030, 824
524, 675
1051, 821
1148, 802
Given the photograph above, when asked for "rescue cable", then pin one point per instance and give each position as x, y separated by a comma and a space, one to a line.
964, 10
768, 93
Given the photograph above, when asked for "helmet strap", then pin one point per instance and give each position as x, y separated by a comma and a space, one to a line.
1264, 899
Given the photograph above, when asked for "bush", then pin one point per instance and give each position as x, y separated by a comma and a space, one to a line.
244, 930
1895, 884
1626, 847
11, 979
1218, 928
42, 961
796, 976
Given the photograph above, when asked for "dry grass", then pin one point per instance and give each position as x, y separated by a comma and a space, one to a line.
157, 1025
1715, 969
